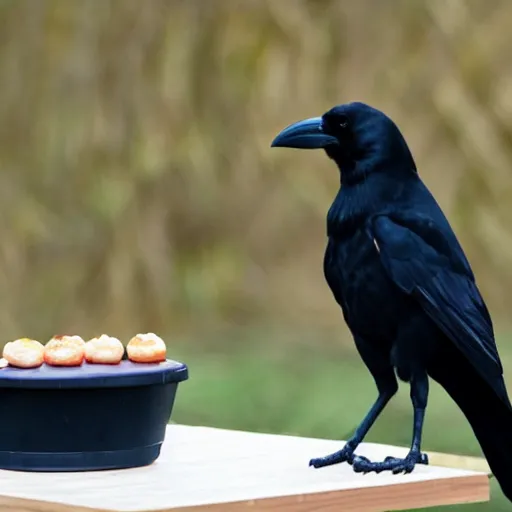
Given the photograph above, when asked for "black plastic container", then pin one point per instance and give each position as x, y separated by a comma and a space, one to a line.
85, 418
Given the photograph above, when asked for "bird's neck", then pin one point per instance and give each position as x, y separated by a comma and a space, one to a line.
355, 169
358, 200
349, 210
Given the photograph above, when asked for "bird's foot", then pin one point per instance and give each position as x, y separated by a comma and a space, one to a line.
363, 465
346, 454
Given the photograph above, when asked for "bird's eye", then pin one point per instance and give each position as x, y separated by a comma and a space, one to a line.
343, 122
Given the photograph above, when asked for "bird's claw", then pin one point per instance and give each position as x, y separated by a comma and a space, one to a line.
363, 465
423, 459
393, 464
346, 454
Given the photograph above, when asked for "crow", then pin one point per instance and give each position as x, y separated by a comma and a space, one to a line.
405, 287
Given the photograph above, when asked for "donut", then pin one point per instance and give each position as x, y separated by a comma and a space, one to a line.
146, 348
64, 350
104, 350
24, 353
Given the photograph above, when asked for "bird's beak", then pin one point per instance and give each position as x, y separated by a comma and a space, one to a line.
306, 134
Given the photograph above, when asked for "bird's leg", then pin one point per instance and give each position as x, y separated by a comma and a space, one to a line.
387, 387
419, 396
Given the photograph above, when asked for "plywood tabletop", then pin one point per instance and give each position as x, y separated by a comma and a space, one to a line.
221, 470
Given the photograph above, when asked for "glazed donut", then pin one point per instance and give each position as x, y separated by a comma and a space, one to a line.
146, 348
63, 350
24, 353
104, 350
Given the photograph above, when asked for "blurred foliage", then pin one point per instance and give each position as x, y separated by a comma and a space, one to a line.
138, 190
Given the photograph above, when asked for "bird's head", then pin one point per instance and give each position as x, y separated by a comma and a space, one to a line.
359, 138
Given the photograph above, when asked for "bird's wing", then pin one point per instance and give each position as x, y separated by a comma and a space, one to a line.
425, 261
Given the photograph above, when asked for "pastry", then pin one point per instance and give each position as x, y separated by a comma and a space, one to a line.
146, 348
104, 350
24, 353
64, 350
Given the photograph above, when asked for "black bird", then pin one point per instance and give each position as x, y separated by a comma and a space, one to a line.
405, 287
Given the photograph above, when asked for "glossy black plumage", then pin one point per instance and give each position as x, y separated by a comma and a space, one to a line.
405, 287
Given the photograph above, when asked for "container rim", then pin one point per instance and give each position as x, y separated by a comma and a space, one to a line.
124, 374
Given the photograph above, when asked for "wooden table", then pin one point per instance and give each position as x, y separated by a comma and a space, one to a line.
221, 470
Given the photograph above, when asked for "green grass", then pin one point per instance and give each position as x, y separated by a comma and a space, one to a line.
317, 390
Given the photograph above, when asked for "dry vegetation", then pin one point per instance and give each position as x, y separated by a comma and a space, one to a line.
138, 190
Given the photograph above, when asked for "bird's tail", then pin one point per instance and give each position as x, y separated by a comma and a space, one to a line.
489, 416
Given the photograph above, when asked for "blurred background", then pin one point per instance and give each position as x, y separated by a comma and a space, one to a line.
138, 191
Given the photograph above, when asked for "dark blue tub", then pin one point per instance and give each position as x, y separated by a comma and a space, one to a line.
86, 418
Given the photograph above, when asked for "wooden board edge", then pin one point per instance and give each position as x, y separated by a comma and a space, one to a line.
403, 496
15, 504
